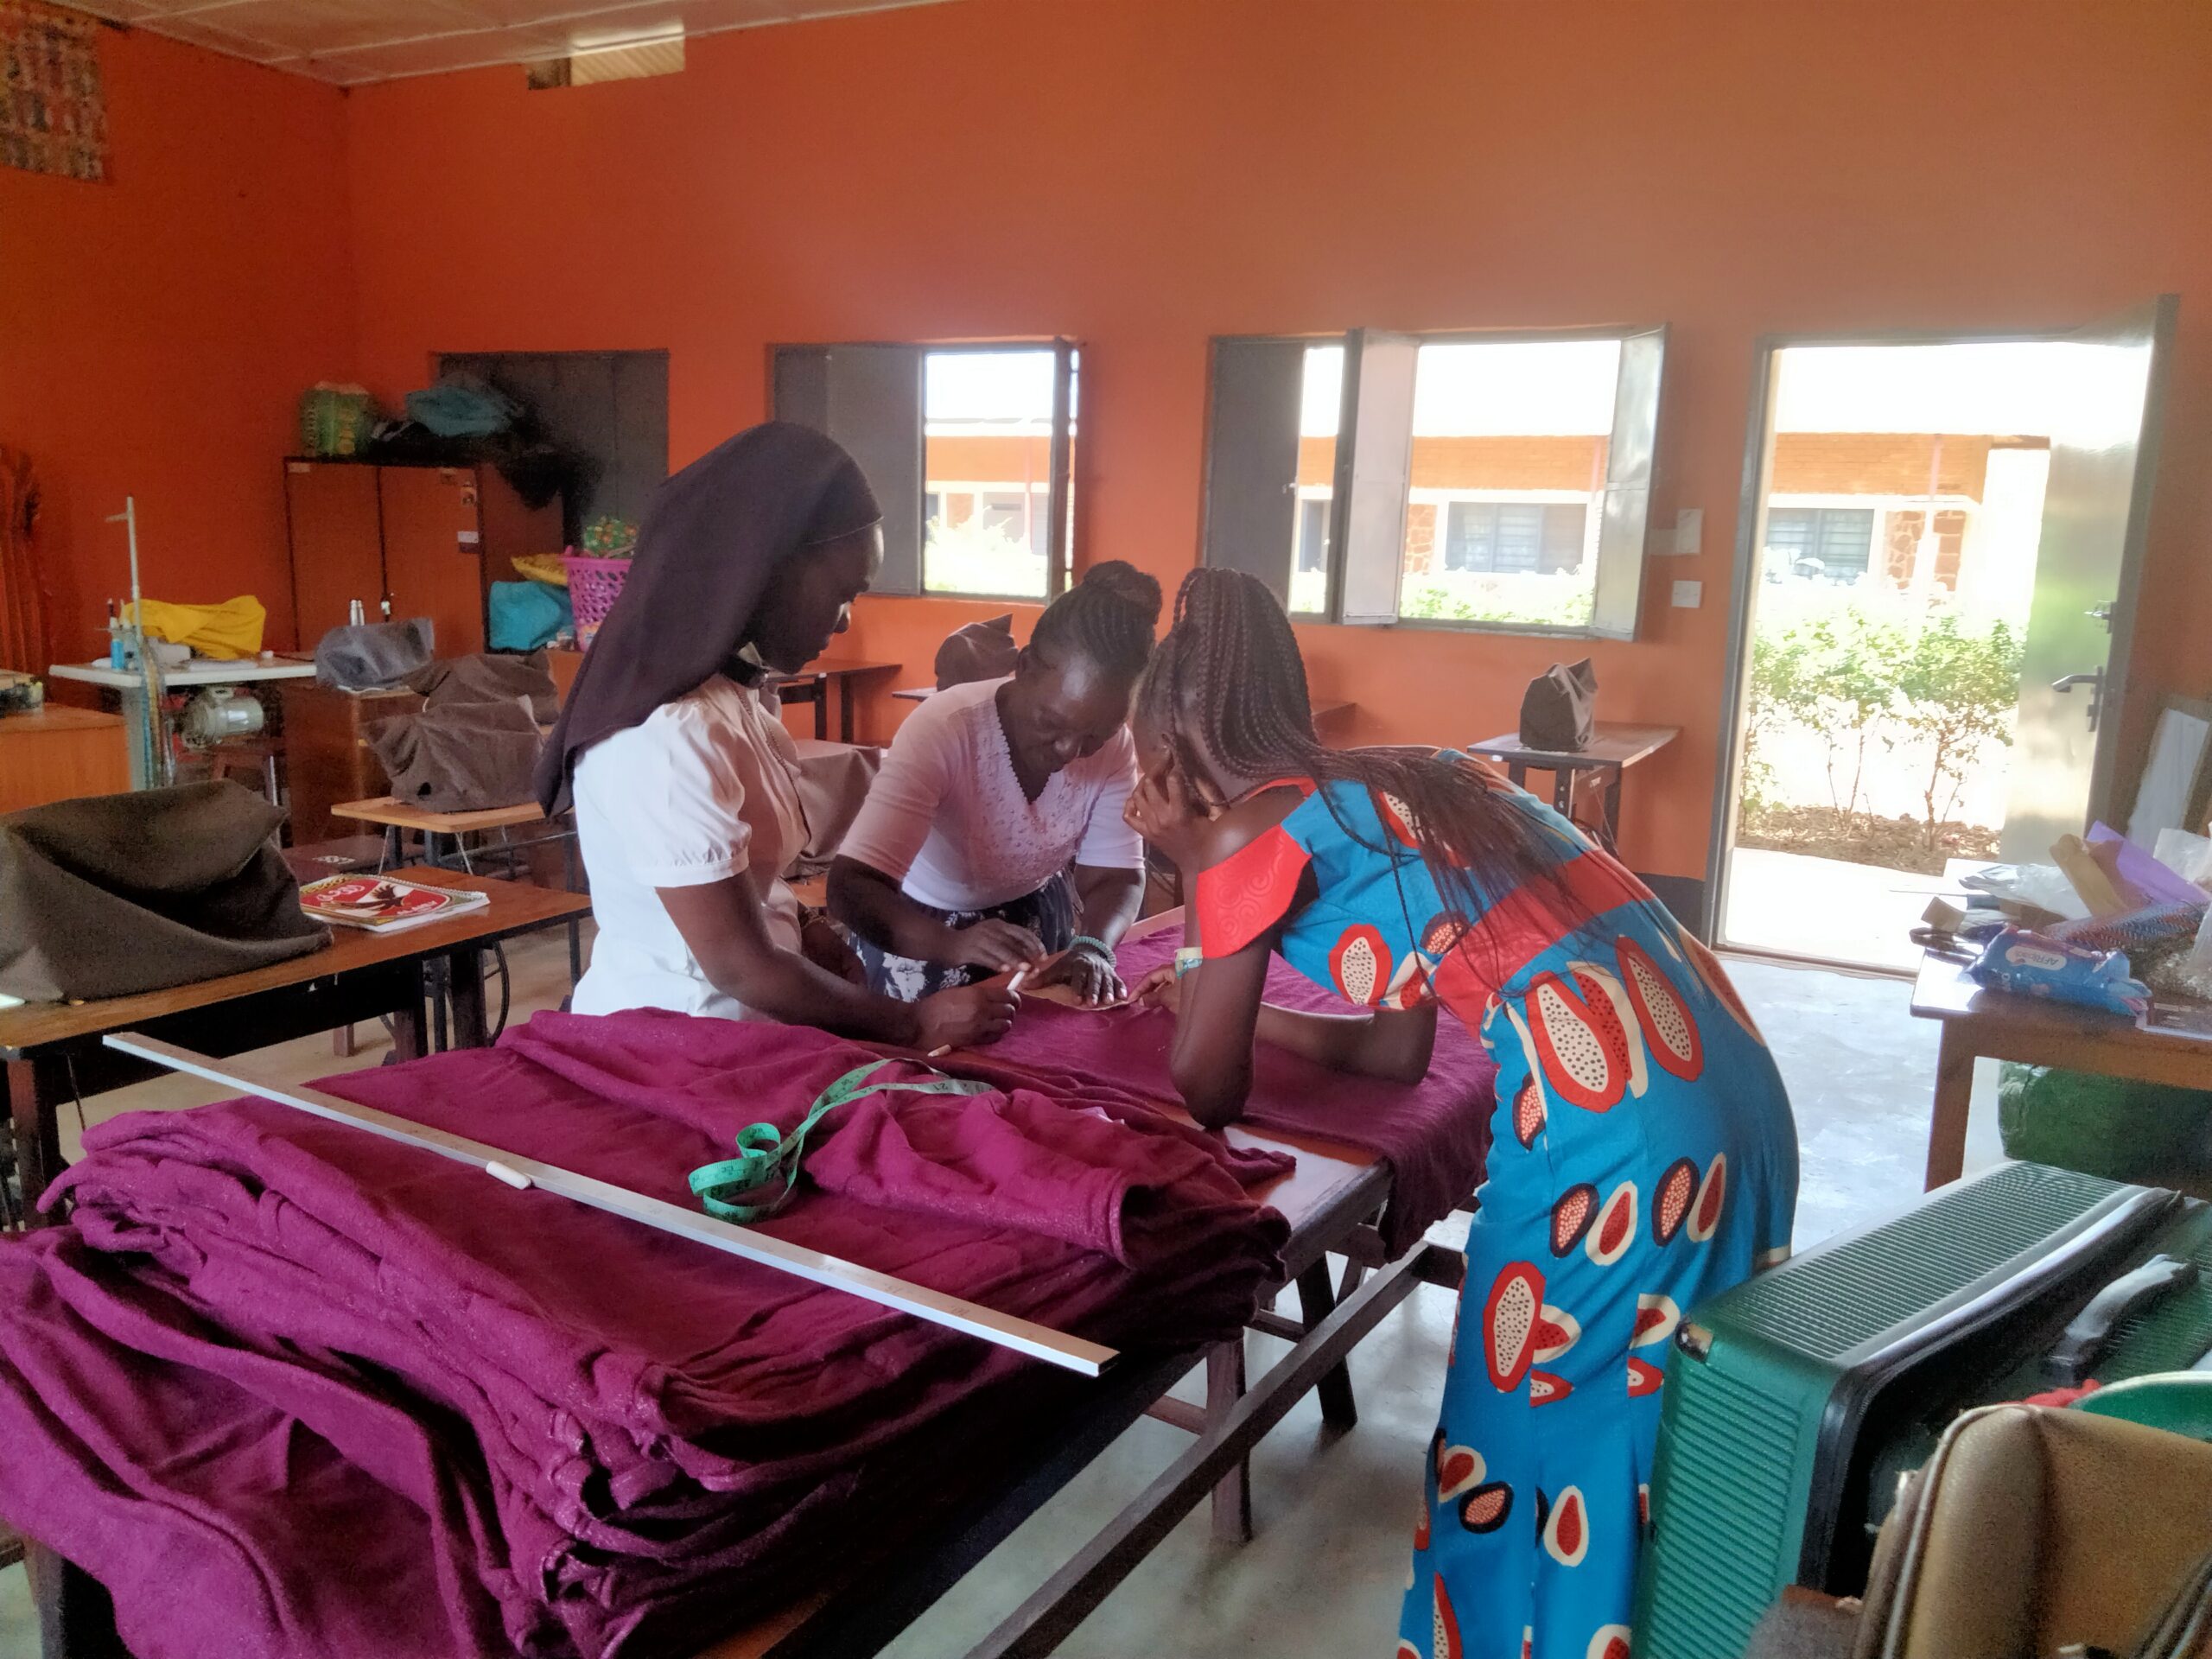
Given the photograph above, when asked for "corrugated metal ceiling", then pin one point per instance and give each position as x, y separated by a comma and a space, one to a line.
354, 41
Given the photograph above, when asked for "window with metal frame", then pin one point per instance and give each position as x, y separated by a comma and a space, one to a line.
1840, 540
970, 450
1494, 480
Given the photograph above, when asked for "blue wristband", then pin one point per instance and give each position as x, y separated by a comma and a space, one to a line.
1187, 958
1085, 942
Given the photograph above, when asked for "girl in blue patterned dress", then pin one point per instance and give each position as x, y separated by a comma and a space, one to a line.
1643, 1156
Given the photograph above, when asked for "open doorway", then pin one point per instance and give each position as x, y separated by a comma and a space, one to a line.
1937, 584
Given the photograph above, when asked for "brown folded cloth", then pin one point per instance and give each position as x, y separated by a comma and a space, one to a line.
493, 677
981, 651
463, 757
116, 894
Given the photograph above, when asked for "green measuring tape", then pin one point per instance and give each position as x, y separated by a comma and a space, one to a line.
764, 1152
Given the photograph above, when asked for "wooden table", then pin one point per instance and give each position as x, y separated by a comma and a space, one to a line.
2002, 1026
812, 684
1613, 749
53, 1051
59, 753
1331, 1199
395, 817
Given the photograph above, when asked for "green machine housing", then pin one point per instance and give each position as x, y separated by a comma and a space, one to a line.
1797, 1401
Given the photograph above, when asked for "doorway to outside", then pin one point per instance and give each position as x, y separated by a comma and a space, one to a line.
1938, 526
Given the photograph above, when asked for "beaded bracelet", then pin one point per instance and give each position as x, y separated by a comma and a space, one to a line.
1084, 942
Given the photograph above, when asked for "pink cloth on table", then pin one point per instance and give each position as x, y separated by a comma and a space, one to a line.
366, 1400
1435, 1134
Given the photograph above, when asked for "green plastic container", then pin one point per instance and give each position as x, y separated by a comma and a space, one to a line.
336, 420
2113, 1127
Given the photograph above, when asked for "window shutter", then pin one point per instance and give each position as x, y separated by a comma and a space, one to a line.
1251, 496
1374, 443
869, 398
1627, 506
1059, 504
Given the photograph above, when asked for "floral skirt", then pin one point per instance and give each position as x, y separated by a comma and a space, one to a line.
1049, 913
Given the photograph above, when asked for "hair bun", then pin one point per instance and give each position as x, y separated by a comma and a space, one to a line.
1121, 580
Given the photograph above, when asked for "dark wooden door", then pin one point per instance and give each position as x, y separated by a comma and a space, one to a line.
433, 552
337, 554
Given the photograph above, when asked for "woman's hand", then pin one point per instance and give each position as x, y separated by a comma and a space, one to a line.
1163, 810
1161, 988
1090, 975
824, 945
966, 1016
994, 945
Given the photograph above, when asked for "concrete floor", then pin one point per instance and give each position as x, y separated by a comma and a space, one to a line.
1334, 1512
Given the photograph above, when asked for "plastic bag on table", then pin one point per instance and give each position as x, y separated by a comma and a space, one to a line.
2188, 856
2044, 886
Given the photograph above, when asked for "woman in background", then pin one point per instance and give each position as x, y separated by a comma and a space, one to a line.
1642, 1155
683, 778
993, 837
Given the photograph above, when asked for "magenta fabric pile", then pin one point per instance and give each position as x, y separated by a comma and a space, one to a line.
296, 1390
1435, 1134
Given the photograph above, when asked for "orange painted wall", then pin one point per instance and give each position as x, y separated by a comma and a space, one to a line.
1141, 175
156, 329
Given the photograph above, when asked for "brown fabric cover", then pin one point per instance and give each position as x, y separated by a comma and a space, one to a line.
981, 651
466, 757
833, 781
1555, 710
116, 894
492, 677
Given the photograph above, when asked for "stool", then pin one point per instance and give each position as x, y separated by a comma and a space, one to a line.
251, 755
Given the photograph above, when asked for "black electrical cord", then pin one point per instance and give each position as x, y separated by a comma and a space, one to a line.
506, 990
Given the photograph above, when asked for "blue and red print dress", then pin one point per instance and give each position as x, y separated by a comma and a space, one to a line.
1643, 1159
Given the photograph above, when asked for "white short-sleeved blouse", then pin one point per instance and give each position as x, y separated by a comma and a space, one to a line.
703, 787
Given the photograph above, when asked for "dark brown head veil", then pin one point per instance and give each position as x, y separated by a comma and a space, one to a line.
714, 533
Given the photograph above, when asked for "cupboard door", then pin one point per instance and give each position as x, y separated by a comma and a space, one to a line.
433, 555
336, 554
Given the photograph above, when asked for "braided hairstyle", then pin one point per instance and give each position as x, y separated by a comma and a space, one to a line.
1227, 685
1108, 618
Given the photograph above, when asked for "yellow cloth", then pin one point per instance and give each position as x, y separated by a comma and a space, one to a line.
231, 631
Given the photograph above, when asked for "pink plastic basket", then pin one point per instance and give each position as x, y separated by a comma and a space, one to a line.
593, 585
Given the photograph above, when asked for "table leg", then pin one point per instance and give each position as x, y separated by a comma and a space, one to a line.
36, 1088
411, 1034
1563, 792
76, 1617
465, 991
820, 711
1317, 1300
438, 977
1232, 1494
845, 711
1517, 774
1947, 1124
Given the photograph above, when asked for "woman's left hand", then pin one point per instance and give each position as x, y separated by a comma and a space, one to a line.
1163, 810
1161, 988
1091, 976
824, 945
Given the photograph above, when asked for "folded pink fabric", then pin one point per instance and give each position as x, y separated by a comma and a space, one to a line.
365, 1401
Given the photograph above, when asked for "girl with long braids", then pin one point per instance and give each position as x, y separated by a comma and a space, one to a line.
1643, 1156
